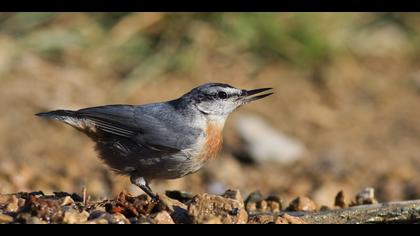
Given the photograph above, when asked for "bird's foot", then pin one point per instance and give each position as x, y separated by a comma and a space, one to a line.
155, 200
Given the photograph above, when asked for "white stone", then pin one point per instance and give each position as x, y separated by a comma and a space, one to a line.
264, 143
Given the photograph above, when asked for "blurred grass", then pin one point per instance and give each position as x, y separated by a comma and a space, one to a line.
129, 47
126, 44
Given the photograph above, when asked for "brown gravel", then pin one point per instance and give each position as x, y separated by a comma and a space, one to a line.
228, 208
302, 204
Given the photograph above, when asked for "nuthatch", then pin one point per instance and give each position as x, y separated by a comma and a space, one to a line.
164, 140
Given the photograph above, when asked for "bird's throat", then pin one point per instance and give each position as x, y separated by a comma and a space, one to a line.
213, 139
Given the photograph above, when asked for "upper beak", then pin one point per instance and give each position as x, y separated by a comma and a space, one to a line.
247, 95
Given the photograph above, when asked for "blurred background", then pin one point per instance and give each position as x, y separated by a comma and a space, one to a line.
344, 116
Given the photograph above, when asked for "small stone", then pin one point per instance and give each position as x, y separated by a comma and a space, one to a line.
75, 197
27, 218
254, 197
4, 198
45, 209
140, 220
251, 207
251, 201
275, 199
177, 209
96, 214
366, 196
35, 221
30, 194
281, 221
67, 200
119, 218
264, 143
99, 217
13, 205
262, 206
324, 208
213, 221
4, 219
10, 203
179, 195
274, 206
261, 219
293, 219
340, 200
162, 217
75, 217
302, 204
128, 205
203, 207
22, 217
21, 203
171, 203
234, 194
99, 221
274, 203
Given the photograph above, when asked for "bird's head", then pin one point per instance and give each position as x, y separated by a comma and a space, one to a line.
219, 100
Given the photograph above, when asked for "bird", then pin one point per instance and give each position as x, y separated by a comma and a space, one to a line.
165, 140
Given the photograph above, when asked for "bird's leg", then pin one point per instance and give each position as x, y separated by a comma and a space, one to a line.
144, 185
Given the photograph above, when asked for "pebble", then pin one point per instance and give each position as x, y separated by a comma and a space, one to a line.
75, 217
339, 200
10, 202
4, 219
263, 143
251, 201
162, 217
302, 204
293, 219
107, 218
366, 196
179, 195
67, 200
261, 219
204, 207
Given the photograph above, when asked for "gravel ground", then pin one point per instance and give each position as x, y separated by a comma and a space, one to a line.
173, 207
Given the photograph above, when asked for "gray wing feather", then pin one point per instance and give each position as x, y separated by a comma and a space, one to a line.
112, 127
144, 125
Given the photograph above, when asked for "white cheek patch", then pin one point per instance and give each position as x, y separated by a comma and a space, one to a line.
232, 91
203, 107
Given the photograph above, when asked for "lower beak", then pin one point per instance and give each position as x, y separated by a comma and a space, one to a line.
247, 95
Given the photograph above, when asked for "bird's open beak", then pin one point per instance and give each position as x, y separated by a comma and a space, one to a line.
247, 95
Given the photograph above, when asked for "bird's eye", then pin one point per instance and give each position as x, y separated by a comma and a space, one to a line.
222, 95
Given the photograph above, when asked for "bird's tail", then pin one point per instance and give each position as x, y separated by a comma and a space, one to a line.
57, 115
72, 118
66, 116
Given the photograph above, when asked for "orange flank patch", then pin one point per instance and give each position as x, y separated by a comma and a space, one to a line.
213, 142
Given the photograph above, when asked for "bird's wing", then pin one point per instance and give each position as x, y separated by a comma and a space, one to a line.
144, 126
113, 119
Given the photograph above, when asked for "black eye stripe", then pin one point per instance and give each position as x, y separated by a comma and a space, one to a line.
206, 97
219, 94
